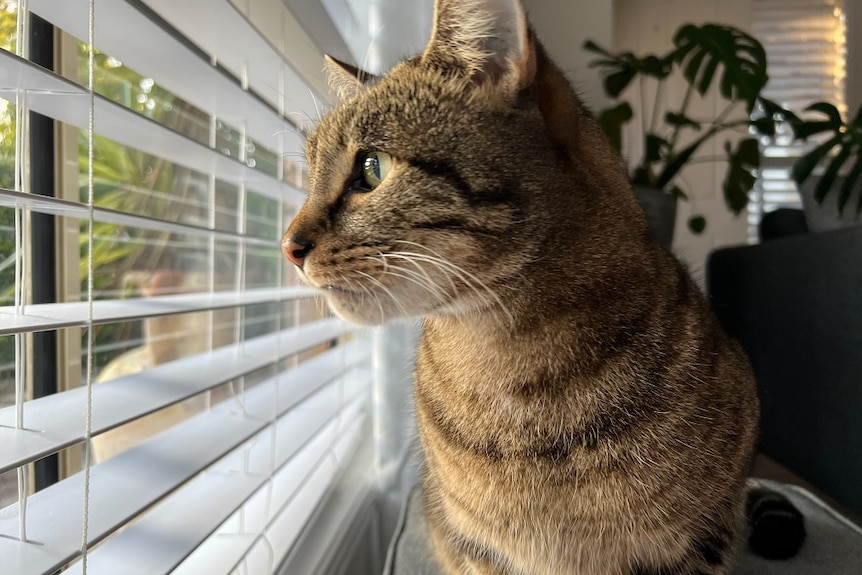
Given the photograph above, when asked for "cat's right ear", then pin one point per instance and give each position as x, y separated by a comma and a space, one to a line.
345, 80
488, 40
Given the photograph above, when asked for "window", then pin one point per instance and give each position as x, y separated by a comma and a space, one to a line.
166, 385
805, 42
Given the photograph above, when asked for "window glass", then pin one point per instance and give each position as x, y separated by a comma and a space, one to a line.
9, 25
124, 86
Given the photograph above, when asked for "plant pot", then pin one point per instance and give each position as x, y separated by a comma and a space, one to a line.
660, 210
824, 217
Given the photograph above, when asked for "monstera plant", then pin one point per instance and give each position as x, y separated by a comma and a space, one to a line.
840, 149
672, 135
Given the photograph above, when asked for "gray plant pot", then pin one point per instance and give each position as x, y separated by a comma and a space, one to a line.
824, 217
660, 210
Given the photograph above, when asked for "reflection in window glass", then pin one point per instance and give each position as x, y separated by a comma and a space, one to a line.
134, 182
262, 218
128, 348
263, 265
260, 158
228, 140
123, 85
135, 262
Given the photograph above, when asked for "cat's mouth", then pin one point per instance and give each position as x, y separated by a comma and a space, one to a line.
339, 291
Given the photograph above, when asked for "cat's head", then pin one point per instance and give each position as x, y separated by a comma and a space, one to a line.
425, 184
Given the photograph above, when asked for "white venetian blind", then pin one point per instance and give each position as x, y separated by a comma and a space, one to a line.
805, 43
198, 402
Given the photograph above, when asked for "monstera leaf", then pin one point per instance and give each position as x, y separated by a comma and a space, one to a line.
623, 67
702, 50
740, 178
612, 121
844, 145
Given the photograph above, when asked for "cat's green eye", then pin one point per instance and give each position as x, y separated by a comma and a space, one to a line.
375, 166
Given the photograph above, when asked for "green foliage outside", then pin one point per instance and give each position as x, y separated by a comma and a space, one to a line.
130, 181
117, 169
8, 25
8, 36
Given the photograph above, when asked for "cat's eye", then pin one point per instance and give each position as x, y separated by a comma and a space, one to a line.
375, 166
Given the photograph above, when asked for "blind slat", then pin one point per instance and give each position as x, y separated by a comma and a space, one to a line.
123, 487
63, 100
188, 517
218, 28
56, 421
58, 207
193, 83
124, 32
41, 317
290, 522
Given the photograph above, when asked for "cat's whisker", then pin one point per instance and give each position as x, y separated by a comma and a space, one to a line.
320, 304
421, 278
374, 296
371, 294
424, 272
385, 290
469, 279
443, 265
438, 294
316, 106
291, 129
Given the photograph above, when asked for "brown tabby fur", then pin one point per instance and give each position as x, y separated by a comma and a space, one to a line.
580, 409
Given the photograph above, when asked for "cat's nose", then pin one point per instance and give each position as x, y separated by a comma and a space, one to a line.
296, 249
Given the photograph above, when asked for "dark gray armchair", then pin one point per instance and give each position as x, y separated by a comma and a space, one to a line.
795, 305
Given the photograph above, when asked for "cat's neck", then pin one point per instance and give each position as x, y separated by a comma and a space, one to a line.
579, 317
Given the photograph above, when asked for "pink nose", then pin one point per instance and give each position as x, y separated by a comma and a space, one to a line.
295, 250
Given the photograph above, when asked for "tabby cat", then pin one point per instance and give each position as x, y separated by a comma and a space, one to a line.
579, 407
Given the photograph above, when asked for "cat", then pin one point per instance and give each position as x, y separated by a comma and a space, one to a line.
579, 408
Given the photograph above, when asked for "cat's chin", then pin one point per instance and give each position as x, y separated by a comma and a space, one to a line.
359, 310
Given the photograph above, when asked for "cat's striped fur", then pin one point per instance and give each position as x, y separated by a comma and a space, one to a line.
580, 410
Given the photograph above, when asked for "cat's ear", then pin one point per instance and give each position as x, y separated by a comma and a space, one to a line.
345, 80
490, 40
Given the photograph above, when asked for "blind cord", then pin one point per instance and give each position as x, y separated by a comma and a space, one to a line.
23, 472
88, 422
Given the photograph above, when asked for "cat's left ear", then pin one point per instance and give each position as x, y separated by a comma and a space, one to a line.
345, 80
489, 40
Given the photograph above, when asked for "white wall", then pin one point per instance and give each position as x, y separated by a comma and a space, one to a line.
563, 27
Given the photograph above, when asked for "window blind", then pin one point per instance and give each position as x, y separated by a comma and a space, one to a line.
204, 403
805, 43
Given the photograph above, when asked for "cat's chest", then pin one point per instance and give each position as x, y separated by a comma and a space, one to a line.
502, 402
